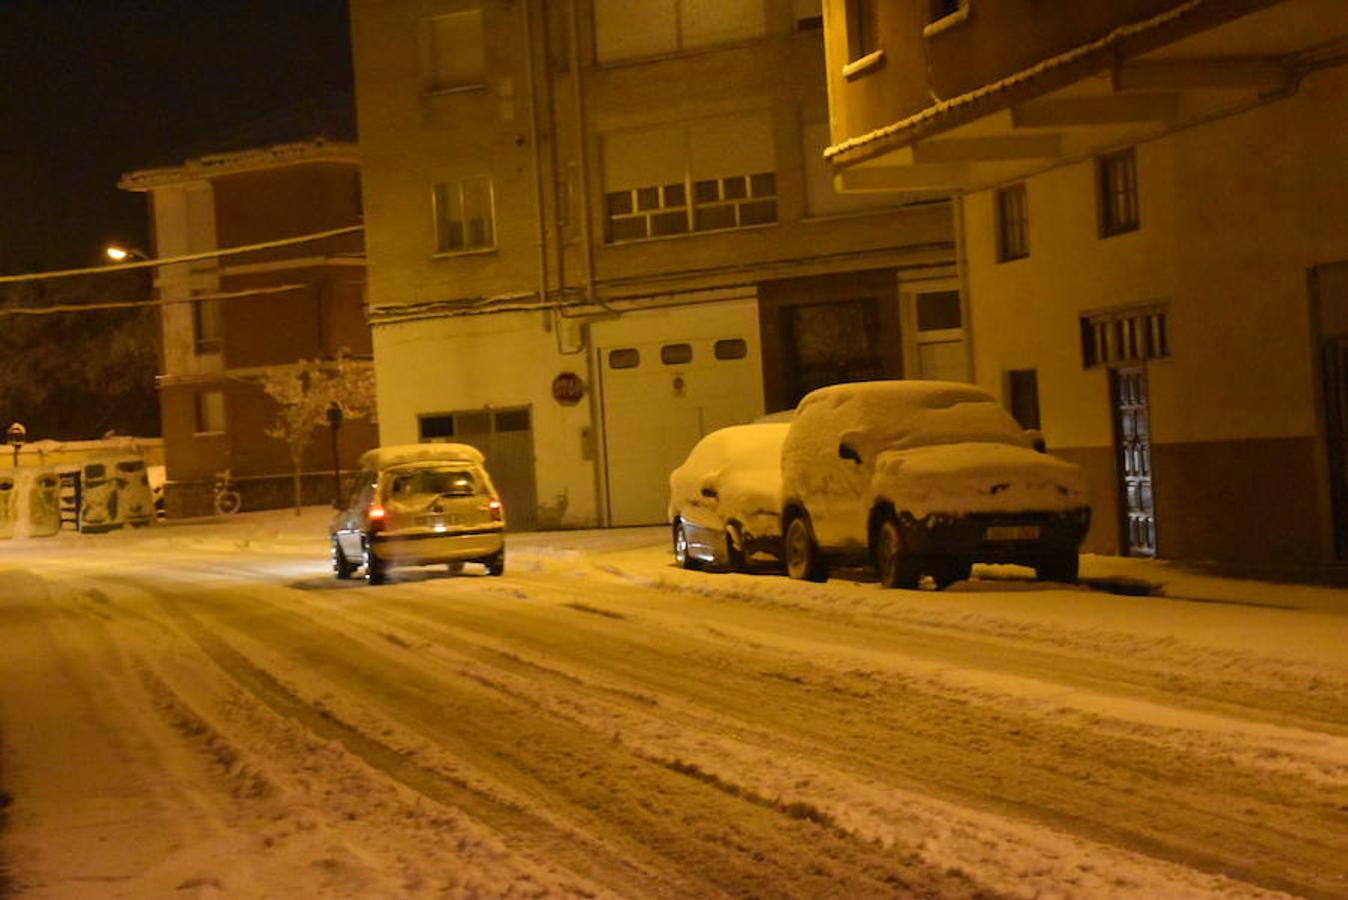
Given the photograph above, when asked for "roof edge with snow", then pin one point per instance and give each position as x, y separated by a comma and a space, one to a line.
1050, 74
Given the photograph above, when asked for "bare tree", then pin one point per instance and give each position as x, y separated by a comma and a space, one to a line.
304, 391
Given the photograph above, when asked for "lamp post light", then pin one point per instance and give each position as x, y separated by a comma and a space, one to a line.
118, 253
335, 422
16, 435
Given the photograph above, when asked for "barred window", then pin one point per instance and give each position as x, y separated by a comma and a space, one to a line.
1129, 335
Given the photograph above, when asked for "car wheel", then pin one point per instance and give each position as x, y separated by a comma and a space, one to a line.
804, 562
735, 558
681, 554
495, 563
948, 571
896, 567
1066, 569
375, 571
454, 568
341, 567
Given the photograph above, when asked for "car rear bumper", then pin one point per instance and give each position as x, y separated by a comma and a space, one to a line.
421, 547
1025, 538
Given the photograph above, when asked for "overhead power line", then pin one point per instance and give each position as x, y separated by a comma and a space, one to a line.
134, 304
189, 257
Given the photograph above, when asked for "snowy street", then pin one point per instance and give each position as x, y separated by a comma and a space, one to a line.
200, 710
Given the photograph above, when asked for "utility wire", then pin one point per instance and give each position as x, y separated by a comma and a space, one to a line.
189, 257
134, 304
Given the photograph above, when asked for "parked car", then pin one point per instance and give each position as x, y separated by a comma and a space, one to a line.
419, 504
725, 500
923, 477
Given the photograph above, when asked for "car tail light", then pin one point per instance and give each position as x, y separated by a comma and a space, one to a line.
377, 516
494, 508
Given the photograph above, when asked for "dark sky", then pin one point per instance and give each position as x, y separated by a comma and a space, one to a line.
90, 89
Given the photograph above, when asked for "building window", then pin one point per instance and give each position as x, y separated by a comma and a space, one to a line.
730, 348
631, 29
676, 354
210, 412
1022, 397
455, 55
435, 428
626, 358
939, 338
646, 212
1013, 223
207, 326
1117, 175
1128, 335
704, 175
463, 216
860, 15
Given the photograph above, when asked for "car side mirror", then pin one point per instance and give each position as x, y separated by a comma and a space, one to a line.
846, 451
1036, 440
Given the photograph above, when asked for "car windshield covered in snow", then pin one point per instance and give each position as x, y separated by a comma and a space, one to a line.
436, 482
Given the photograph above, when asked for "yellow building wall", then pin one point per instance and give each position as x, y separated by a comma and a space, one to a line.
504, 360
1234, 214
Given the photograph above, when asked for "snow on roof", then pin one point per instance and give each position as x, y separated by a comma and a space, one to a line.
405, 454
983, 100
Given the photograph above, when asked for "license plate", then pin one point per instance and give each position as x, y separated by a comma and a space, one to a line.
1012, 533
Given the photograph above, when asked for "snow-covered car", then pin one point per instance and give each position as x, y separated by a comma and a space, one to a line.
725, 500
923, 477
419, 504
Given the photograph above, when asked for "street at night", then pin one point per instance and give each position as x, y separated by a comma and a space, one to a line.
201, 710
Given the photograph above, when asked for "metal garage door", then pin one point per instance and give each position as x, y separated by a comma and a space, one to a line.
659, 398
506, 439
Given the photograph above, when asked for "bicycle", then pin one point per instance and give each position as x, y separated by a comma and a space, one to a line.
226, 499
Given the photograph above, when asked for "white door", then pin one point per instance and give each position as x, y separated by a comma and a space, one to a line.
662, 393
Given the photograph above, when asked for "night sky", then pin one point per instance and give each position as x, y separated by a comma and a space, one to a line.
93, 89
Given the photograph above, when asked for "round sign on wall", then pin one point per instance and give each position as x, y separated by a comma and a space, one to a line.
568, 388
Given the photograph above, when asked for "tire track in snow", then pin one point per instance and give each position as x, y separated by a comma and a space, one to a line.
729, 852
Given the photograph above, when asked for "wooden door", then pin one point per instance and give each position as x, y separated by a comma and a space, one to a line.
1336, 421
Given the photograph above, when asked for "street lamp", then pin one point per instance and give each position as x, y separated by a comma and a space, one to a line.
334, 422
118, 253
16, 434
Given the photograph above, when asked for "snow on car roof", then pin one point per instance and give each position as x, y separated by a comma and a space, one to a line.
876, 415
403, 454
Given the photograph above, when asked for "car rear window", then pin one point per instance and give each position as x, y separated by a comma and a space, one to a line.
438, 482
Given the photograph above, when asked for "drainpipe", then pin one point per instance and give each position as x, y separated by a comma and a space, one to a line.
530, 75
587, 270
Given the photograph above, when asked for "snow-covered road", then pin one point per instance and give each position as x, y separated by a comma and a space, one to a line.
200, 710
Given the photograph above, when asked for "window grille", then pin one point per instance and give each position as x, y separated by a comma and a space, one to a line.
1130, 335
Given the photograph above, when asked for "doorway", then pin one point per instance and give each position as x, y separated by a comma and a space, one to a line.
1132, 442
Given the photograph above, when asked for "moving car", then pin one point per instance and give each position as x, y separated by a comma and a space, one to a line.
923, 477
725, 500
419, 504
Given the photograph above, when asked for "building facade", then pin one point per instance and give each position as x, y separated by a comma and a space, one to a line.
599, 230
1149, 202
229, 319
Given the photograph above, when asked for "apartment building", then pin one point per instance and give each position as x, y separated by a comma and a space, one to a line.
1150, 200
229, 319
600, 229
